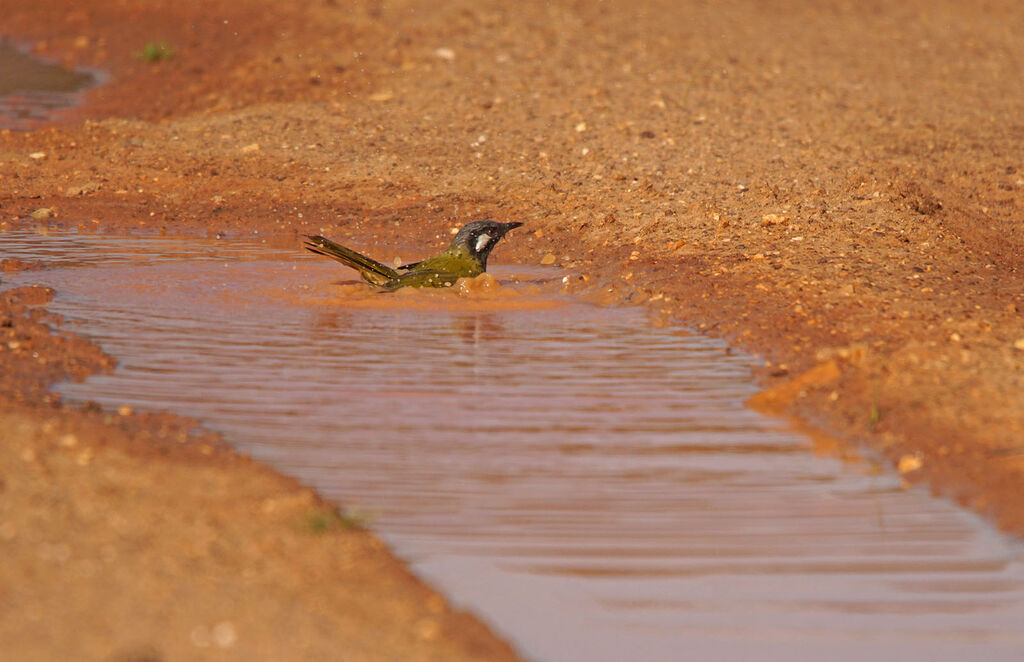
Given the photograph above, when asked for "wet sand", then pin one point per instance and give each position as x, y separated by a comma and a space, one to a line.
836, 187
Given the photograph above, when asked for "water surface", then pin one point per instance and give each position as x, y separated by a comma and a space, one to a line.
590, 484
32, 89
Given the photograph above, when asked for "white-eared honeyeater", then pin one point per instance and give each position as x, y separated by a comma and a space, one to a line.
466, 257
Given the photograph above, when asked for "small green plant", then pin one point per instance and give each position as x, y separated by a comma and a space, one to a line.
156, 51
324, 520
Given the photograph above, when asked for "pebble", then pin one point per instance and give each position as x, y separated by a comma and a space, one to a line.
67, 441
548, 259
224, 634
1019, 344
43, 213
84, 189
443, 53
37, 156
910, 462
427, 629
773, 219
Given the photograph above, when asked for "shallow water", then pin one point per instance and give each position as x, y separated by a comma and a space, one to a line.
591, 484
33, 89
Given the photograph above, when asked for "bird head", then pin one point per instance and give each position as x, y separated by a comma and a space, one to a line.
479, 238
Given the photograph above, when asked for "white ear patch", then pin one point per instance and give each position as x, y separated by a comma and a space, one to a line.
482, 242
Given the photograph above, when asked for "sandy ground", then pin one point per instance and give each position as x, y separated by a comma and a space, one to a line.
837, 186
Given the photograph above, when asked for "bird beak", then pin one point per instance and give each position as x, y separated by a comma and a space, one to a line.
511, 226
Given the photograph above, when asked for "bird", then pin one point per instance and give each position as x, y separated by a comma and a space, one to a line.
466, 257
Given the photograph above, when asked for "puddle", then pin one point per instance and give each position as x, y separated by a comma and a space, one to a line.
590, 484
33, 89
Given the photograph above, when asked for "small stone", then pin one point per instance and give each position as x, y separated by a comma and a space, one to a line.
124, 410
43, 213
548, 259
37, 156
84, 458
773, 219
581, 127
67, 441
224, 634
84, 189
954, 337
910, 462
1019, 344
381, 96
427, 629
249, 149
445, 54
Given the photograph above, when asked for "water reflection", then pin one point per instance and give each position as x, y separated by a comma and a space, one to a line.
591, 484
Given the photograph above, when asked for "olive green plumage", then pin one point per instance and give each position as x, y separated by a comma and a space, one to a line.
466, 257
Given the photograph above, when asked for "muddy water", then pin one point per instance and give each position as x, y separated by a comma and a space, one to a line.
33, 89
590, 484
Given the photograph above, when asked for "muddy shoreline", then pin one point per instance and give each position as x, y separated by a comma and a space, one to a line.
834, 188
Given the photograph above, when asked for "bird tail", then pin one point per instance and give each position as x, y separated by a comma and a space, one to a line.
371, 270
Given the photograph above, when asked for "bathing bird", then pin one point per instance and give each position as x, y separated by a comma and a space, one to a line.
466, 257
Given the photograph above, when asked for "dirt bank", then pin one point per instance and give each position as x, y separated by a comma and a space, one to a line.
837, 186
